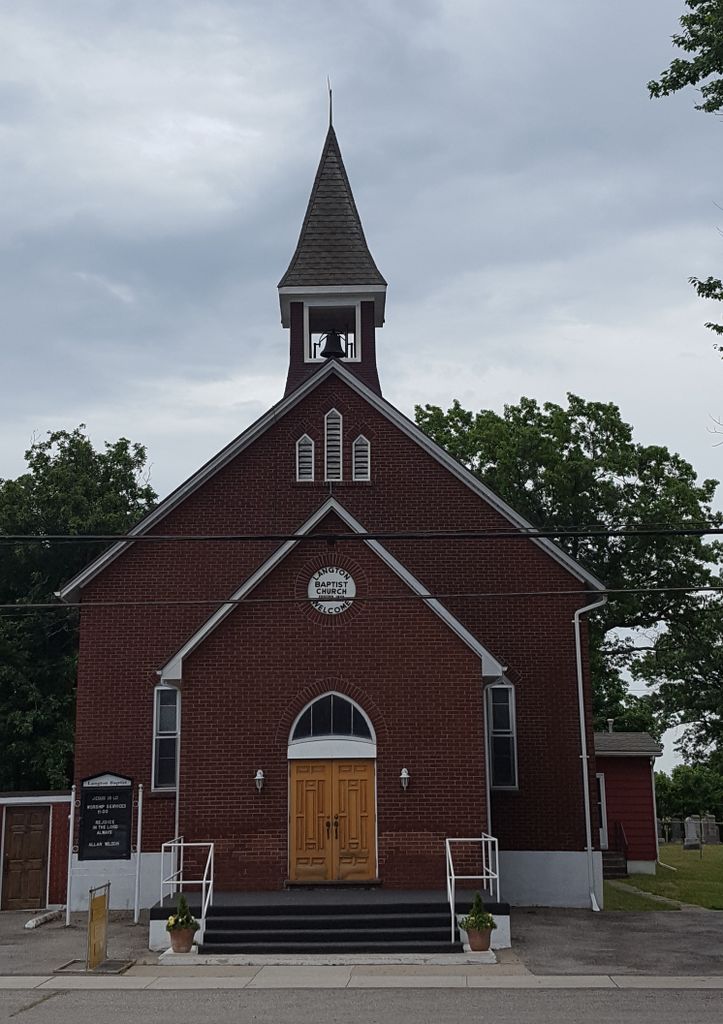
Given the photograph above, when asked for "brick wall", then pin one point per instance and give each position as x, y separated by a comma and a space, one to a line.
263, 658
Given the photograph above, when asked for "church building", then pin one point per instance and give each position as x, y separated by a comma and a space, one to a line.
337, 665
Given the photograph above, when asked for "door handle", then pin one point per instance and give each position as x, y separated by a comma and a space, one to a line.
328, 828
336, 826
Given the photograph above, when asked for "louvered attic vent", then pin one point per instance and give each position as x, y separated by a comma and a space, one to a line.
361, 459
305, 458
332, 439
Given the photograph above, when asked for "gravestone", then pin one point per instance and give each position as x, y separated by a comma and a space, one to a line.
692, 833
675, 834
711, 832
661, 830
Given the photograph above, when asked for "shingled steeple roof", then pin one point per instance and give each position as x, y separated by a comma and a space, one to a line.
332, 250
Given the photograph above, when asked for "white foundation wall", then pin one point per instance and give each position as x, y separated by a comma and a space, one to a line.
641, 867
548, 878
122, 877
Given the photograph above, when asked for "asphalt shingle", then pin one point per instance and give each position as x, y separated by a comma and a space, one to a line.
626, 743
332, 249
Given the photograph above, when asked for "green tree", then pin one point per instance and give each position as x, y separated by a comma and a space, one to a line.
69, 487
580, 467
686, 667
664, 802
690, 789
702, 38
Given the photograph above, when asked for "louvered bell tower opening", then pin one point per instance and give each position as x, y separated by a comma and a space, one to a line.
321, 320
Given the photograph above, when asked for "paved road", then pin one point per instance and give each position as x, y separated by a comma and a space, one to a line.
414, 1006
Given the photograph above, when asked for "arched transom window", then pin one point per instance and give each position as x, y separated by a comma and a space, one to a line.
332, 726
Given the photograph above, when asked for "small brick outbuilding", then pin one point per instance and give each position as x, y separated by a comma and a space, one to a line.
626, 797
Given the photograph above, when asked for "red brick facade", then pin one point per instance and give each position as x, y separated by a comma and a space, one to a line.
420, 684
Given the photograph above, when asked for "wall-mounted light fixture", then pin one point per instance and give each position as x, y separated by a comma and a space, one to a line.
404, 778
259, 779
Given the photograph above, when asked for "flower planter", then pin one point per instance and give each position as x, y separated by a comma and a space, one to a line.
182, 939
479, 941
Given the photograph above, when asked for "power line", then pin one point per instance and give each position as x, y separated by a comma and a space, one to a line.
367, 599
517, 534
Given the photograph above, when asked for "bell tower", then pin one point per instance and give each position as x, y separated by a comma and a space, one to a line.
332, 296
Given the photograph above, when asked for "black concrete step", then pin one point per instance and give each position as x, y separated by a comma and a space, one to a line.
229, 922
340, 934
321, 909
614, 864
400, 946
395, 927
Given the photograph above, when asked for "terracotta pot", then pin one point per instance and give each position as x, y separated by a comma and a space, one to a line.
479, 941
182, 939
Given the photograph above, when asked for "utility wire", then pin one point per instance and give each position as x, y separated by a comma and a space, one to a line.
367, 599
517, 534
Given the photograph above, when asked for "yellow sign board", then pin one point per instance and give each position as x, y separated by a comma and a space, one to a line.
98, 900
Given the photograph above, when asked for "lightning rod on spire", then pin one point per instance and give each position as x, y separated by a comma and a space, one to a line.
328, 86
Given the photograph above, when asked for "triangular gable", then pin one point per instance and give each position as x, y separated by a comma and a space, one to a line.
172, 671
269, 419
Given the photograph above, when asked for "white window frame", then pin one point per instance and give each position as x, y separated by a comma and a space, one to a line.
165, 736
308, 358
327, 478
332, 746
361, 440
299, 477
511, 733
603, 806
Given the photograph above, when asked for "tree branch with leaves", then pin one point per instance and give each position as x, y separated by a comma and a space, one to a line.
702, 38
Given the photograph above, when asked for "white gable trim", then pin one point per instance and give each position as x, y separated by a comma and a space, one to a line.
172, 671
70, 590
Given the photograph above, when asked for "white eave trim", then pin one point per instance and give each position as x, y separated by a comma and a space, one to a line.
172, 671
354, 292
70, 590
333, 289
40, 801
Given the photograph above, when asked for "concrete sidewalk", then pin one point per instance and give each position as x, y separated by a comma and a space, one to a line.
352, 978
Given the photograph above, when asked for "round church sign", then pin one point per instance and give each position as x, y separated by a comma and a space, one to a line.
331, 590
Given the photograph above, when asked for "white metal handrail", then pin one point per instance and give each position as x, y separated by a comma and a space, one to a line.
490, 872
176, 880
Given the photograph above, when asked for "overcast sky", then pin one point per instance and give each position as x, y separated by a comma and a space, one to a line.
535, 213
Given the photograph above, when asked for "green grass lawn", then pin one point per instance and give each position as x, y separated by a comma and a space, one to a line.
618, 899
697, 880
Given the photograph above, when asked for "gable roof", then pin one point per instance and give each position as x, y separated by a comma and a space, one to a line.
173, 669
332, 249
252, 433
626, 744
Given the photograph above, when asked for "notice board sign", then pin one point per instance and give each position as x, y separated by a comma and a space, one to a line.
106, 817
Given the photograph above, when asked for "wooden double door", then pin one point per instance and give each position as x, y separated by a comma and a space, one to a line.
332, 821
25, 858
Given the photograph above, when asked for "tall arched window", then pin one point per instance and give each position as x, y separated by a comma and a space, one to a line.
332, 444
305, 458
332, 726
361, 459
166, 733
502, 734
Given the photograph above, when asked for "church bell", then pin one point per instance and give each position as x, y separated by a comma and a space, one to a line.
333, 347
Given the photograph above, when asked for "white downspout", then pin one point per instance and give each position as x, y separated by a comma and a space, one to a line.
583, 745
488, 767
